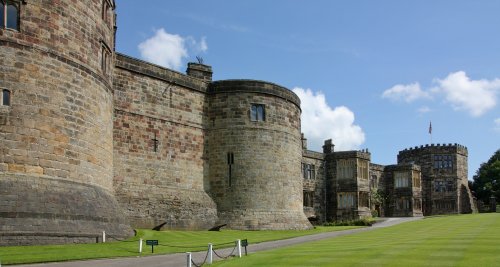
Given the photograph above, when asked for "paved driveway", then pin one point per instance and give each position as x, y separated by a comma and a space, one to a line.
179, 259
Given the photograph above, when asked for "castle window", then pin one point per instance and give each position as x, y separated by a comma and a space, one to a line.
105, 58
345, 200
308, 198
448, 205
443, 162
449, 185
308, 171
230, 163
439, 186
5, 97
362, 169
345, 168
106, 10
403, 204
257, 112
401, 179
9, 15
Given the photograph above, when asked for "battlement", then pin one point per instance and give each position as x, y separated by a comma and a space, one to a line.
363, 154
435, 148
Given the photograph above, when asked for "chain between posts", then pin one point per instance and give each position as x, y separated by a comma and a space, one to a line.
201, 264
230, 254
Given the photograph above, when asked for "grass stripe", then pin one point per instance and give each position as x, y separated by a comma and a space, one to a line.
460, 240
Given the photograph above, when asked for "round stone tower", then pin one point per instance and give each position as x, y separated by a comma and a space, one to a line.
56, 148
254, 154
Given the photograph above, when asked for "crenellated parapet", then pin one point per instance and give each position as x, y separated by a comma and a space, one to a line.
361, 154
433, 149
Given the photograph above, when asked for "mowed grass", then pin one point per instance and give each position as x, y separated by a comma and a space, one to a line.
169, 242
460, 240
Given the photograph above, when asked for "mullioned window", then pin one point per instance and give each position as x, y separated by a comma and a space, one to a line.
257, 112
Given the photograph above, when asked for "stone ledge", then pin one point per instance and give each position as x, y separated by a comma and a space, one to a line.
253, 86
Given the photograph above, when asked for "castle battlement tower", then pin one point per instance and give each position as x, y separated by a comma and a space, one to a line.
445, 187
56, 160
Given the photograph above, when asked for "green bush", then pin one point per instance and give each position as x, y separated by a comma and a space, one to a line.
360, 222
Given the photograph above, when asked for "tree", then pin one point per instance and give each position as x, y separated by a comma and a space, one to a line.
487, 179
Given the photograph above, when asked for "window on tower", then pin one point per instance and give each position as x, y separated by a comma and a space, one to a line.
9, 14
107, 14
5, 97
443, 162
257, 112
105, 58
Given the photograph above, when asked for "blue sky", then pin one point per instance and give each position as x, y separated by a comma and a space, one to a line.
370, 74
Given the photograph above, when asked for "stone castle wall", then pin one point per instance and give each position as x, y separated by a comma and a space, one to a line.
56, 136
163, 180
315, 186
96, 141
263, 189
412, 193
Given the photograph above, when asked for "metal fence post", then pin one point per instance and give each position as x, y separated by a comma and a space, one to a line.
188, 256
140, 245
239, 248
210, 251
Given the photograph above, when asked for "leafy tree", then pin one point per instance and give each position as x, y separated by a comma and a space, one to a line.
487, 179
378, 196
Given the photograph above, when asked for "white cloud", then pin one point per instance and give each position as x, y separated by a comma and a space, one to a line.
195, 46
474, 96
169, 50
203, 44
497, 124
407, 93
424, 109
320, 122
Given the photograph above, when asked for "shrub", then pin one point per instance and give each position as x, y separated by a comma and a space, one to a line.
360, 222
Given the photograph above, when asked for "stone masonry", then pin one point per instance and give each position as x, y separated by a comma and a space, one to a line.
93, 140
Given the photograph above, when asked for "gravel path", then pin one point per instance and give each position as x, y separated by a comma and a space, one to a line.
179, 259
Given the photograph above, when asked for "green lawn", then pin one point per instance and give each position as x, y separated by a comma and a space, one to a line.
170, 242
461, 240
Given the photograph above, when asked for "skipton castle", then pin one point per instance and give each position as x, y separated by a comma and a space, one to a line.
92, 140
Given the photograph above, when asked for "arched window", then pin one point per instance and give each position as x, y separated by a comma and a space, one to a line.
9, 17
5, 97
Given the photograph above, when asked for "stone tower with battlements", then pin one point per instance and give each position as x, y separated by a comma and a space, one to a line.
445, 187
